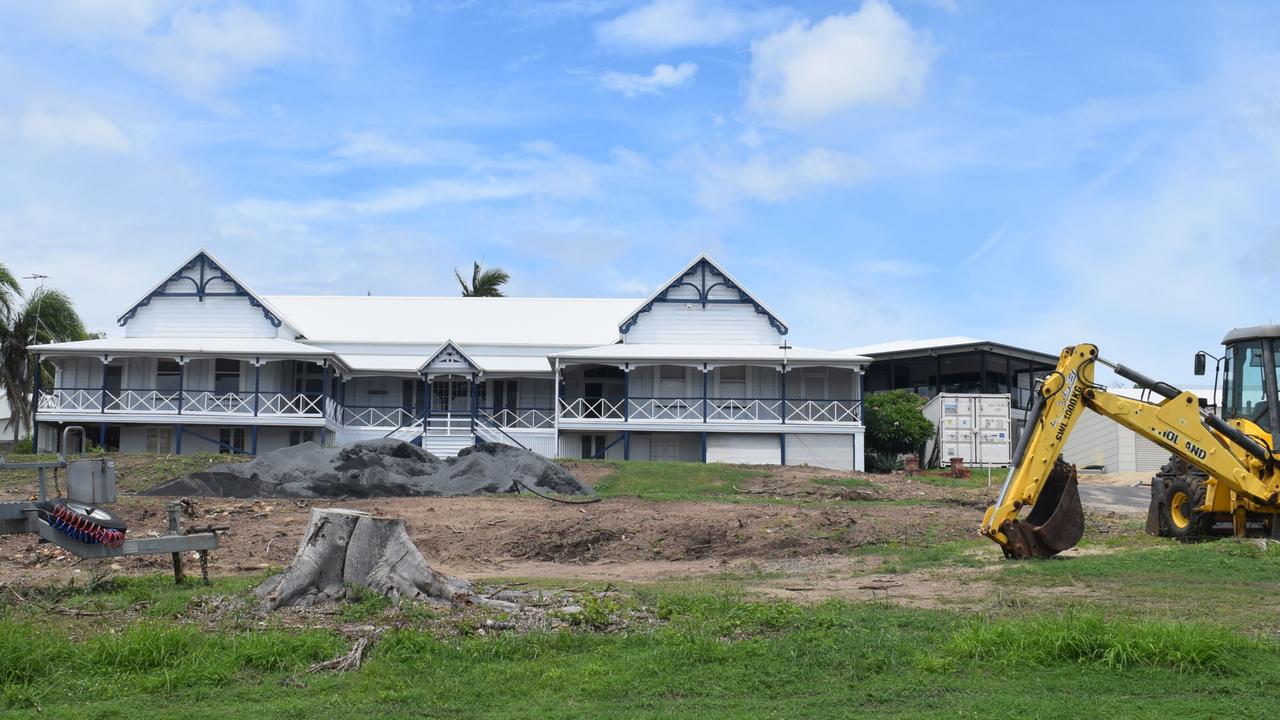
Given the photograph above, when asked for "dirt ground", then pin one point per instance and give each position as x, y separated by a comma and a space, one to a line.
794, 534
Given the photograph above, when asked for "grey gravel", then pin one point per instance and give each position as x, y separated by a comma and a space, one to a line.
378, 468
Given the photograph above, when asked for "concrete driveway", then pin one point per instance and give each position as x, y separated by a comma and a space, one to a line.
1116, 493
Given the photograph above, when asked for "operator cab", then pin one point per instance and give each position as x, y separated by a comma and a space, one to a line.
1249, 384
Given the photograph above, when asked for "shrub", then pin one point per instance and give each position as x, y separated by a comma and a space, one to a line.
895, 423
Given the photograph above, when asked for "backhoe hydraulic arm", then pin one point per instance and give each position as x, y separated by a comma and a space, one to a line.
1233, 455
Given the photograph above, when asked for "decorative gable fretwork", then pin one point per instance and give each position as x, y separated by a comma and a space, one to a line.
200, 278
703, 284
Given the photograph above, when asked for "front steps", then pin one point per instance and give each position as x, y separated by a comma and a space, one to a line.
447, 446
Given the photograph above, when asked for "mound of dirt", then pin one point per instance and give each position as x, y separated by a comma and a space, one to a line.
378, 468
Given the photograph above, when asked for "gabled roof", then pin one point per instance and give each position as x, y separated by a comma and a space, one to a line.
566, 322
200, 290
447, 346
703, 289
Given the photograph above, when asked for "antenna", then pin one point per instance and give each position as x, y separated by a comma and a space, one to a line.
39, 296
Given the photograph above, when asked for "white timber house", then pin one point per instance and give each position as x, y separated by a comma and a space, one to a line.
699, 371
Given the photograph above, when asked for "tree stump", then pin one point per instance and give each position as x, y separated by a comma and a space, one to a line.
348, 547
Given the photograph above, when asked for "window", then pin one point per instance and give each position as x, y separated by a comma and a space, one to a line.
159, 440
297, 437
168, 376
231, 439
226, 376
1246, 393
733, 382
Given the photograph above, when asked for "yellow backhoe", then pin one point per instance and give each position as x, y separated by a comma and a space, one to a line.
1224, 473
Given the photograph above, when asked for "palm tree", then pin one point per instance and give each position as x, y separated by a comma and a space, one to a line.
483, 284
46, 316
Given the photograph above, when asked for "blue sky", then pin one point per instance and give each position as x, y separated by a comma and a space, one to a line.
1033, 173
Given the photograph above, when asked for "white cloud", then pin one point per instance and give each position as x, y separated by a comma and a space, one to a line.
372, 149
73, 128
197, 48
663, 76
772, 180
542, 172
204, 51
668, 24
809, 72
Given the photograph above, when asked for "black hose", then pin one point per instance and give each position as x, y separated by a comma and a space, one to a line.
556, 499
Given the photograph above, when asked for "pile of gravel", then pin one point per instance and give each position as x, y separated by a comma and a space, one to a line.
378, 468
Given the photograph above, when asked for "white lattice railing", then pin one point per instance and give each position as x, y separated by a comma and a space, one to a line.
69, 400
142, 401
215, 403
379, 417
744, 411
824, 411
522, 418
591, 409
299, 404
665, 409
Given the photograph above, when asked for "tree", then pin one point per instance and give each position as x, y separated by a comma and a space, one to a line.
895, 423
486, 283
47, 316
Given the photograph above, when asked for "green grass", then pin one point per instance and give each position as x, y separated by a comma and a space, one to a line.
928, 554
673, 480
977, 478
716, 656
134, 471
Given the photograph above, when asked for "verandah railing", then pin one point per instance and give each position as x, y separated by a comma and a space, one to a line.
717, 410
187, 402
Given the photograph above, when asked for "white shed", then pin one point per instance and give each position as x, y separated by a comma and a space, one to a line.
1105, 446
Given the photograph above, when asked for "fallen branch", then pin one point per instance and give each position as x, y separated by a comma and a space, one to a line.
347, 662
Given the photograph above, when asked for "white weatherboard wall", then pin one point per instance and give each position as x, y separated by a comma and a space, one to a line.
189, 317
746, 449
683, 319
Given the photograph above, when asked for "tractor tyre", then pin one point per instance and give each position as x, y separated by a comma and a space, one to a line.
1183, 490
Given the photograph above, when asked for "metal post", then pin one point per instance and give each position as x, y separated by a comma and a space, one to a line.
938, 384
102, 402
704, 407
35, 408
257, 384
626, 445
704, 446
782, 447
783, 374
177, 450
182, 385
473, 403
102, 436
626, 395
982, 371
253, 434
175, 523
426, 401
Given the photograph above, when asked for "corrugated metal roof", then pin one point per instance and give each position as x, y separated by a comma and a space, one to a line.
909, 345
760, 353
239, 347
468, 321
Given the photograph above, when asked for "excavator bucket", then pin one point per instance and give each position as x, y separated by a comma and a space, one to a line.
1055, 523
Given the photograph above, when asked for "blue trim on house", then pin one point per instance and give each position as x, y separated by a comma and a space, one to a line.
699, 271
200, 288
